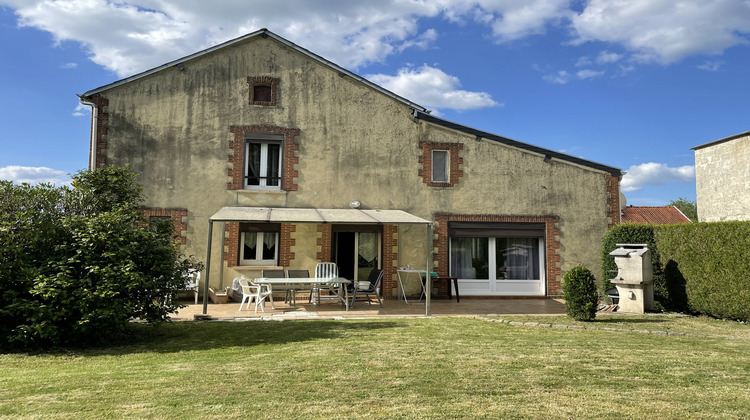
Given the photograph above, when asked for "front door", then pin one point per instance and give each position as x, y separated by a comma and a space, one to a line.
356, 253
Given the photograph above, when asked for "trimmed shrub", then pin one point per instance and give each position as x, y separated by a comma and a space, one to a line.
712, 260
580, 294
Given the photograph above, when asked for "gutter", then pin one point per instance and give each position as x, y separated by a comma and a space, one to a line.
94, 124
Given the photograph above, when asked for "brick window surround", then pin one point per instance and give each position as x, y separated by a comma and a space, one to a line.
425, 172
237, 147
232, 244
178, 216
272, 82
552, 242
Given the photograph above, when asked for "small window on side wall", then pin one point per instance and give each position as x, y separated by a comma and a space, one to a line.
440, 166
263, 90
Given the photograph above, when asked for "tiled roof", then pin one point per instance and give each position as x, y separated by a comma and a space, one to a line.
654, 215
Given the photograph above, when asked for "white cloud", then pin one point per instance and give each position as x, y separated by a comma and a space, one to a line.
69, 66
638, 176
81, 110
583, 62
665, 30
433, 88
560, 78
34, 175
588, 74
711, 65
128, 36
606, 57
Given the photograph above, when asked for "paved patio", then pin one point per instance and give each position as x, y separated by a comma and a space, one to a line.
391, 308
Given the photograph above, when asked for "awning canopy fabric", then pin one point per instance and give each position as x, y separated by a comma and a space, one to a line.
301, 215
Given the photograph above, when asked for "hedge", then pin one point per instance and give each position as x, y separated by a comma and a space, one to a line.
712, 260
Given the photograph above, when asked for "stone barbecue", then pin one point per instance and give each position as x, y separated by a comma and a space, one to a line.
635, 277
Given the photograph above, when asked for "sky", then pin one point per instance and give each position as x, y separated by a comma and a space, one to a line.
632, 84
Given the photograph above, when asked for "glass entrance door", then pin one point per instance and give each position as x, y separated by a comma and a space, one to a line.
357, 253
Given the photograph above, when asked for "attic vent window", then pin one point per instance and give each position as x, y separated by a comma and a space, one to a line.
263, 90
261, 93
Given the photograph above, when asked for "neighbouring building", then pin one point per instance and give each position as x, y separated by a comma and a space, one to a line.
657, 215
722, 179
259, 122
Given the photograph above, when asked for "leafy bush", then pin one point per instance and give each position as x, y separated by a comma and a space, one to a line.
712, 260
580, 294
77, 264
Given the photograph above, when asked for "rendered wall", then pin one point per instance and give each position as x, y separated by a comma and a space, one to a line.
354, 142
722, 180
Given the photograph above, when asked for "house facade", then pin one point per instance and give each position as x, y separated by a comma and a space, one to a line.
260, 122
722, 179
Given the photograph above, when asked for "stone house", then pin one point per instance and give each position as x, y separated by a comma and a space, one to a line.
260, 122
722, 179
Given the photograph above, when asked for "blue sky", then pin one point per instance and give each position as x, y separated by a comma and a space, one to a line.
632, 84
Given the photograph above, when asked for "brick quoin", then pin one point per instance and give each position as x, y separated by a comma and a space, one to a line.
100, 131
552, 242
613, 200
454, 161
178, 216
390, 261
286, 243
325, 242
237, 148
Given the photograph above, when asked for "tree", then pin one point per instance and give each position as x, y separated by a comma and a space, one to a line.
78, 264
687, 207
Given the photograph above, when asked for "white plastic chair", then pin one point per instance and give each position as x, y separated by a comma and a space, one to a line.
192, 281
254, 292
327, 270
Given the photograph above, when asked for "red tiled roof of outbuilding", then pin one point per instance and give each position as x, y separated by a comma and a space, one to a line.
654, 215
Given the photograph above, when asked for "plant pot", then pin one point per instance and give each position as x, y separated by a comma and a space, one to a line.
217, 296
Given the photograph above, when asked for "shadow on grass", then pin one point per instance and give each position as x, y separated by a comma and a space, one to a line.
209, 335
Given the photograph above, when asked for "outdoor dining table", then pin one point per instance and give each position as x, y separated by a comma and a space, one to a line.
310, 282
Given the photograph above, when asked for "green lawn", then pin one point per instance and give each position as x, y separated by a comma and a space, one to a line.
389, 368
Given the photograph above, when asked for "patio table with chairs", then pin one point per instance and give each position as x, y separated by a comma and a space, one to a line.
335, 284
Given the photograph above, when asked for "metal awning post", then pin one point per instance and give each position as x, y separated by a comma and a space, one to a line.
208, 266
428, 278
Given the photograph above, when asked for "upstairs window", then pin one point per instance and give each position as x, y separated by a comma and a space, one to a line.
263, 161
440, 166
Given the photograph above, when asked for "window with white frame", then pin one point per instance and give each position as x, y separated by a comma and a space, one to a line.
263, 161
440, 166
496, 258
259, 245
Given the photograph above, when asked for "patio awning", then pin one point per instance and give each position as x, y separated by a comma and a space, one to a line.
301, 215
308, 215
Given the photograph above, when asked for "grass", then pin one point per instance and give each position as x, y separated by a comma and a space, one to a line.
673, 323
394, 368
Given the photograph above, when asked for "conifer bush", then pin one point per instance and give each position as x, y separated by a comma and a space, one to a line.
580, 294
